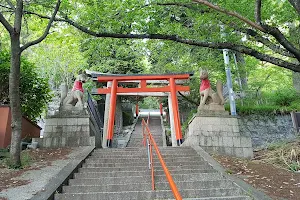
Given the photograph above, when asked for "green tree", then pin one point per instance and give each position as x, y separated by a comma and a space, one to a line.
11, 18
202, 24
34, 90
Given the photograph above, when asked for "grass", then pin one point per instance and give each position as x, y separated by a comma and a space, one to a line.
5, 159
285, 155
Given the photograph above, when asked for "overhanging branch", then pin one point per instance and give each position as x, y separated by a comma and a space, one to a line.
5, 23
224, 45
265, 41
46, 32
231, 13
275, 32
258, 11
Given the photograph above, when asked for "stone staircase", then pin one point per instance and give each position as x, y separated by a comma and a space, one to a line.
124, 174
155, 128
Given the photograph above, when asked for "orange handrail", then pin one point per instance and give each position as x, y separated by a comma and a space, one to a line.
162, 162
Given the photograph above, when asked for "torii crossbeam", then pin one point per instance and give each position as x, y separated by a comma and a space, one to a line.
172, 87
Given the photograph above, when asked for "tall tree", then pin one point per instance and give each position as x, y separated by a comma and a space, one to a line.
11, 17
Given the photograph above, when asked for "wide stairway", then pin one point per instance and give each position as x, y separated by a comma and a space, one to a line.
124, 174
112, 174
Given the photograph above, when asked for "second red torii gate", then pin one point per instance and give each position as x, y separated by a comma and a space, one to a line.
173, 88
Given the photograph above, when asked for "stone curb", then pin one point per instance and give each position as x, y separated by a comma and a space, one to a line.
62, 178
163, 131
248, 189
133, 127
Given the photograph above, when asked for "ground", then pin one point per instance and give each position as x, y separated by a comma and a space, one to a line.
35, 159
277, 182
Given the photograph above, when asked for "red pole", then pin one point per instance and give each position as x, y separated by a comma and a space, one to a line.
175, 111
112, 109
136, 109
161, 109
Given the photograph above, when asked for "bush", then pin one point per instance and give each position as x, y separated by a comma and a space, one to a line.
34, 90
284, 97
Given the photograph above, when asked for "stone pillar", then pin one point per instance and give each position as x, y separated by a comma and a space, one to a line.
174, 142
106, 113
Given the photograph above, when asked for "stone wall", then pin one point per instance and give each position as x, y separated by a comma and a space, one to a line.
267, 129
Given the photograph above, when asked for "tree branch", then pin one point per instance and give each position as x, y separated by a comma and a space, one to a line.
225, 45
296, 5
18, 17
276, 33
258, 11
266, 42
5, 23
234, 14
188, 99
46, 32
190, 6
10, 4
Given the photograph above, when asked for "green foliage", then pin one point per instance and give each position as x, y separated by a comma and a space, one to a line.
149, 103
294, 166
58, 58
34, 90
113, 55
284, 96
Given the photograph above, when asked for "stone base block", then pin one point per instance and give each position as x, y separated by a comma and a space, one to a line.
220, 135
71, 131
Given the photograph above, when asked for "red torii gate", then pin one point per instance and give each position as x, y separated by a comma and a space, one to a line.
173, 88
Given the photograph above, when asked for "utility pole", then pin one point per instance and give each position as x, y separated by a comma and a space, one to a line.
229, 82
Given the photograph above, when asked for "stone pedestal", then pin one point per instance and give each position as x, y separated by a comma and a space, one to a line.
70, 128
219, 134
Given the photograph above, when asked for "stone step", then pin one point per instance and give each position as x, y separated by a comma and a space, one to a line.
141, 163
222, 198
147, 186
144, 179
142, 151
116, 156
136, 173
94, 168
160, 194
95, 159
183, 149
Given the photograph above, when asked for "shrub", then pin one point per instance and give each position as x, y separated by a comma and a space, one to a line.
284, 97
34, 90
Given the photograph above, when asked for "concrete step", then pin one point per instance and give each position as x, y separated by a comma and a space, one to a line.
94, 168
147, 186
144, 179
136, 173
160, 194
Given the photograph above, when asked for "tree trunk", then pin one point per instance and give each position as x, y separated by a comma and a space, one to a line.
296, 81
15, 105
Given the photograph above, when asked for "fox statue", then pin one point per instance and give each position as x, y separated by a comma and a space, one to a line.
207, 95
75, 98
